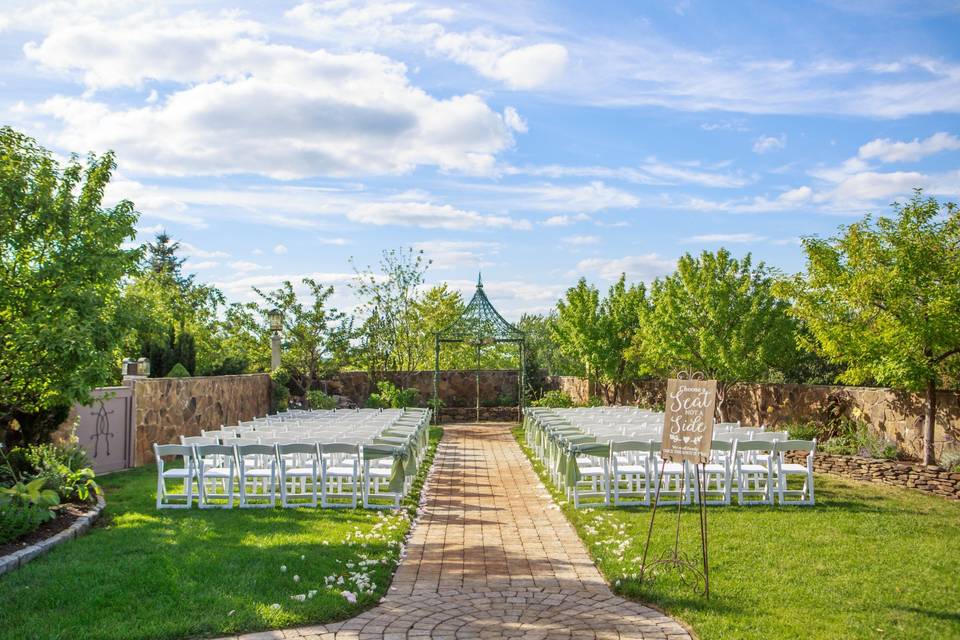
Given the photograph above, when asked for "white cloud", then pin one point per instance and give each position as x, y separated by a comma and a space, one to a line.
767, 144
565, 220
459, 254
203, 265
396, 24
592, 197
238, 103
280, 249
581, 240
192, 251
643, 267
729, 238
886, 150
652, 172
514, 120
334, 241
429, 216
245, 266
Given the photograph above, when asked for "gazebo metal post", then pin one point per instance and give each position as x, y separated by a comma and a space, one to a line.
520, 385
477, 372
436, 378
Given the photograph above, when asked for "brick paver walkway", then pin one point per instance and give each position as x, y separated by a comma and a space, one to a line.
490, 558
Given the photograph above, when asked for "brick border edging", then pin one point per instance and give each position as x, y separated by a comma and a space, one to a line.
17, 559
907, 475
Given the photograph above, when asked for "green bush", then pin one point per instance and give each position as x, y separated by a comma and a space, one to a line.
389, 396
593, 401
950, 460
319, 400
854, 438
178, 371
279, 393
802, 430
20, 519
554, 399
63, 468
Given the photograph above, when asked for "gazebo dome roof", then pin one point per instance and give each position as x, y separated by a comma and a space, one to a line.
480, 323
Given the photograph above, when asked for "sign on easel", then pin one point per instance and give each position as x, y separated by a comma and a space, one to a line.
687, 438
688, 424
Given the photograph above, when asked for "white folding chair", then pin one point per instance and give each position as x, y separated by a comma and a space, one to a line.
179, 474
299, 471
785, 469
339, 474
631, 472
258, 475
718, 474
215, 465
754, 478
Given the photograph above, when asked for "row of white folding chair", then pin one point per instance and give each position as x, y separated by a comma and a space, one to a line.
302, 470
758, 469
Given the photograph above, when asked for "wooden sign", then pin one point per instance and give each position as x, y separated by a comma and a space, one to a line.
688, 425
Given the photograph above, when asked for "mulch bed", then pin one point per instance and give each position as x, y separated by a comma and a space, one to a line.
67, 514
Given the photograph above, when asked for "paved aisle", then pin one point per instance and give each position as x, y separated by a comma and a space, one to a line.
491, 559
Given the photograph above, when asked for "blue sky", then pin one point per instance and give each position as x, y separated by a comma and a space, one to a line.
536, 141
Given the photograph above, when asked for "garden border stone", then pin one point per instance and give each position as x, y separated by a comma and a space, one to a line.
910, 475
81, 525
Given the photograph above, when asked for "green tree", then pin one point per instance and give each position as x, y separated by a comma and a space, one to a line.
883, 299
620, 314
161, 296
388, 336
315, 335
61, 266
719, 316
578, 327
543, 354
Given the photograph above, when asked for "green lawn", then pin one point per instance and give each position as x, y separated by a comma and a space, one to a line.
144, 573
865, 562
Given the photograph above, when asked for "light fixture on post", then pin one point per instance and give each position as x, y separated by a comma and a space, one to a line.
275, 316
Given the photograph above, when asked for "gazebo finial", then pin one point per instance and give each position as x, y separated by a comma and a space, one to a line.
479, 280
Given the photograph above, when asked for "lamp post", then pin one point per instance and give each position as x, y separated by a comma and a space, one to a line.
276, 324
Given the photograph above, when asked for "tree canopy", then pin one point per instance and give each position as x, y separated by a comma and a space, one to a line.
719, 316
62, 261
883, 299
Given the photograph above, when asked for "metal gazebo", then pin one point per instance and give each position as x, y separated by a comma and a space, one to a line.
479, 325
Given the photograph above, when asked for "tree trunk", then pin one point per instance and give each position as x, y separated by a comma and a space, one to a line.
930, 422
721, 396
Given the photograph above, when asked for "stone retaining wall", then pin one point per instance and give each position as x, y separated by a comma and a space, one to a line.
930, 479
167, 408
458, 388
487, 414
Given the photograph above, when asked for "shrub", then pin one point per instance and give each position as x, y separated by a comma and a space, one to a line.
950, 460
178, 371
319, 400
388, 396
803, 430
592, 401
230, 366
63, 468
279, 393
554, 399
855, 439
17, 520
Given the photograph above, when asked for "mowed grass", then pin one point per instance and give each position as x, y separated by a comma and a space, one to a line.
865, 562
144, 573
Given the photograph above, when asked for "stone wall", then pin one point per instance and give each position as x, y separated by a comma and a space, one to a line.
899, 474
487, 414
166, 408
895, 415
458, 388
